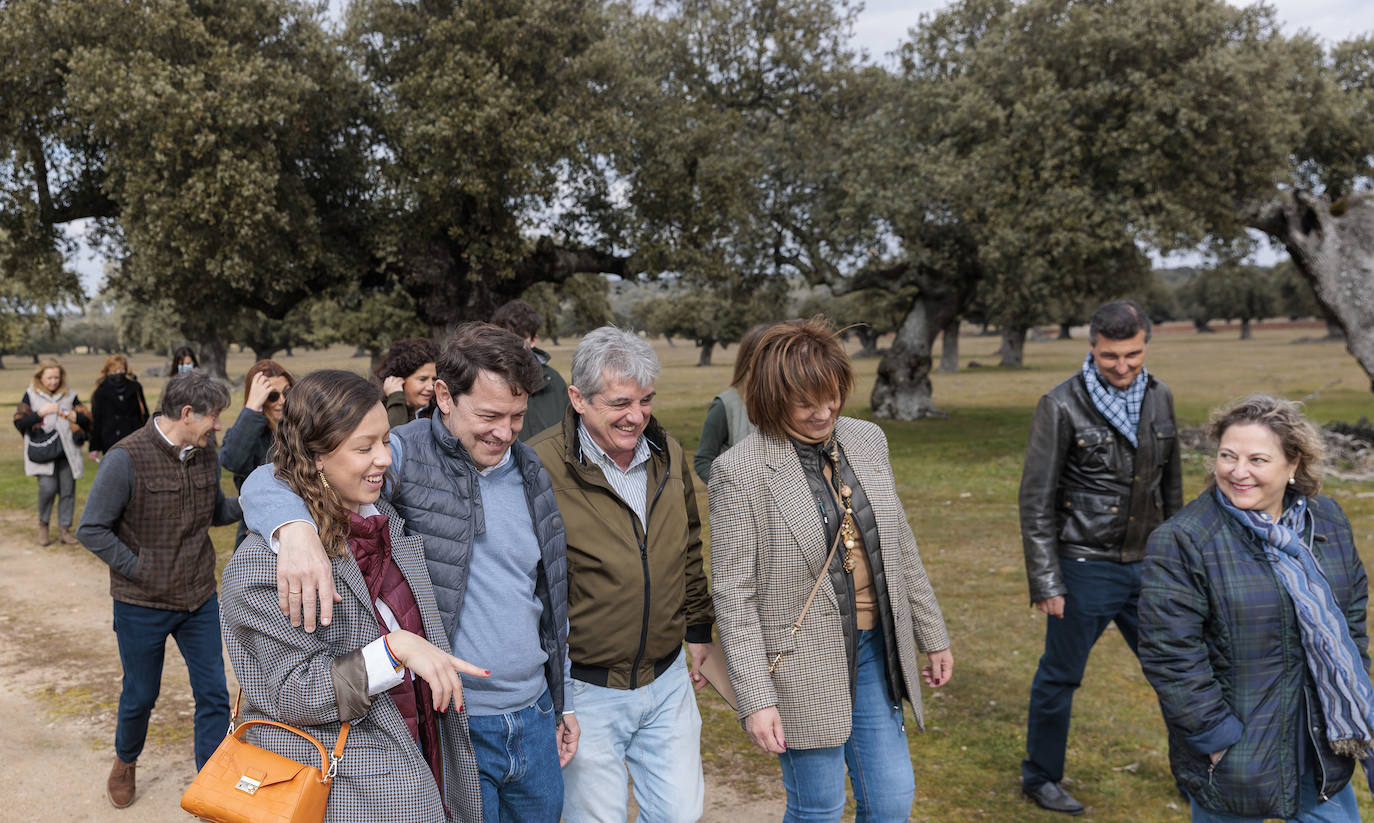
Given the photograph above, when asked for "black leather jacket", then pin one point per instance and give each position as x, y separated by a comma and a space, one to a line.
1085, 491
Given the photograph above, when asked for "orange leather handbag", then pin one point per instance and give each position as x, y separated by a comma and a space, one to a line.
242, 783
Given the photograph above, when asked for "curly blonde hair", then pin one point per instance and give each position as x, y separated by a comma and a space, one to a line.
319, 414
1301, 442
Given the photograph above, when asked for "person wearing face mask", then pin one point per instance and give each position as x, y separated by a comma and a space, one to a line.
183, 360
248, 441
821, 597
1252, 630
384, 663
118, 407
51, 413
406, 375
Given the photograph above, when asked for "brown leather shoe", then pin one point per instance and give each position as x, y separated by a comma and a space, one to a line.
44, 536
120, 787
64, 535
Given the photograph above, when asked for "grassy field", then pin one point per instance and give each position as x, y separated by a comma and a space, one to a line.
958, 479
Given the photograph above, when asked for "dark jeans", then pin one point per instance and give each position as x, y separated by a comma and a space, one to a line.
517, 760
142, 635
62, 486
1100, 592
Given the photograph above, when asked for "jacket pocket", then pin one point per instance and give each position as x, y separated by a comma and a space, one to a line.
1091, 519
1165, 435
1092, 449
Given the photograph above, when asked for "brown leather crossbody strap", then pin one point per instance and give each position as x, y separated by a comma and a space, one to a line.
825, 569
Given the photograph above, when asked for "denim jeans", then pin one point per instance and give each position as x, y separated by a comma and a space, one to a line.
517, 760
1340, 808
1099, 592
655, 730
142, 635
876, 754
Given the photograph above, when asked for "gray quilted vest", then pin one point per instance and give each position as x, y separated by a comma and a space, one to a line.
437, 494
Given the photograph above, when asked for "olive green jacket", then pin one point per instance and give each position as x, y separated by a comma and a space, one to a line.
632, 597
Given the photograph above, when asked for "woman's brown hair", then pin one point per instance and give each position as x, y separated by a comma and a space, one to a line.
110, 362
319, 414
269, 368
1299, 439
795, 362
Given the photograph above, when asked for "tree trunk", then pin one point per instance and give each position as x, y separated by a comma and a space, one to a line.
868, 341
263, 353
1064, 330
707, 346
949, 348
1203, 327
902, 390
1245, 332
214, 354
289, 353
1013, 346
1335, 254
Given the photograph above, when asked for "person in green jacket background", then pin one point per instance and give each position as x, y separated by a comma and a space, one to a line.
550, 400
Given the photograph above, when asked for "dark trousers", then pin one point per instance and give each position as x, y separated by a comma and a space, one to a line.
142, 635
1100, 592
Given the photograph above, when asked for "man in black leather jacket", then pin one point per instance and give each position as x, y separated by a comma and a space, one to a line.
1102, 471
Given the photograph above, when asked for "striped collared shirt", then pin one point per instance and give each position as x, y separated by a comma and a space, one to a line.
632, 484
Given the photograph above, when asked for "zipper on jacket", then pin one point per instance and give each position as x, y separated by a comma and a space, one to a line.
643, 540
1316, 746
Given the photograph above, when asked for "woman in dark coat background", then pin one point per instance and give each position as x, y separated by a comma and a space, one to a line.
118, 407
1252, 629
248, 441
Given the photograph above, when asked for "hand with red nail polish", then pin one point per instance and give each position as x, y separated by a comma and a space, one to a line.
429, 663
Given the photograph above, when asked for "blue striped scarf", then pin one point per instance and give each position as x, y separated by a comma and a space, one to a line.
1338, 672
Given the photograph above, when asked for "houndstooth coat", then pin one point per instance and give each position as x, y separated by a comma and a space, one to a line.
286, 675
767, 548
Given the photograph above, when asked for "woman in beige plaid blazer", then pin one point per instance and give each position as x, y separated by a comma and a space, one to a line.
331, 447
826, 697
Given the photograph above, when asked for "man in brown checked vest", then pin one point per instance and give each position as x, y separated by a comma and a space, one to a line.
148, 513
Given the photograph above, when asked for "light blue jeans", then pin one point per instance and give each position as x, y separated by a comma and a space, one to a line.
1340, 808
876, 754
655, 730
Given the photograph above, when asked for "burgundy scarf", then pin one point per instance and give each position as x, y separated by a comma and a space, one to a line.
370, 540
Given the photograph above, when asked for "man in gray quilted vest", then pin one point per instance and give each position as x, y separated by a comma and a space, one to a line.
497, 557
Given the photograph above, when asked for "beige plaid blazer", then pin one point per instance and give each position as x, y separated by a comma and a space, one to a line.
767, 548
288, 675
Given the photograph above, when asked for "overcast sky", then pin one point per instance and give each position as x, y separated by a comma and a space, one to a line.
884, 23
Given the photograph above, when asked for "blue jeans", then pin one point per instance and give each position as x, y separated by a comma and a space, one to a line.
517, 761
142, 635
1340, 808
876, 755
1099, 592
655, 730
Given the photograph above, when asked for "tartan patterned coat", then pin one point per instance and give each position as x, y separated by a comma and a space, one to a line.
1220, 643
289, 676
767, 548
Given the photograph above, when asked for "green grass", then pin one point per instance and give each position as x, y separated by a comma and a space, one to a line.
958, 478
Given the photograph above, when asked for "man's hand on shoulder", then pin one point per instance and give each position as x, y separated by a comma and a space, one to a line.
303, 574
1053, 606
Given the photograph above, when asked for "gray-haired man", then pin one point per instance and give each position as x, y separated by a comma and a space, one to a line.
637, 588
148, 513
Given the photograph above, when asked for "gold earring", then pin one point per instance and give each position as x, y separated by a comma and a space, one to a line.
324, 481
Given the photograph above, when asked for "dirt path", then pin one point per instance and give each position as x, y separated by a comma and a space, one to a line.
59, 685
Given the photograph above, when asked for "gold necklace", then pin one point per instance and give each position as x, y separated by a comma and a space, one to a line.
849, 530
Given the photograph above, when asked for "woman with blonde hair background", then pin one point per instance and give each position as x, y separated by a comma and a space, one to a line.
384, 656
118, 407
54, 424
821, 598
1252, 629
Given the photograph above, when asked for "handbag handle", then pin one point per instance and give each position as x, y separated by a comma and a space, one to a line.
328, 763
825, 569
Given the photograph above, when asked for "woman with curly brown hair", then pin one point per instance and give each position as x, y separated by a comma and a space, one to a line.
54, 424
1252, 629
384, 656
406, 374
